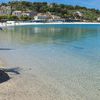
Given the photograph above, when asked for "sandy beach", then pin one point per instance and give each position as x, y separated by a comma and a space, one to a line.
28, 86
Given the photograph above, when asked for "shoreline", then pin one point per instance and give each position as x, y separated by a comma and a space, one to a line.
30, 23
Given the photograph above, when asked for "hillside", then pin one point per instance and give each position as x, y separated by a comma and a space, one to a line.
62, 10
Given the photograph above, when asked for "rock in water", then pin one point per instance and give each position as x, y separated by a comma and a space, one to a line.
3, 76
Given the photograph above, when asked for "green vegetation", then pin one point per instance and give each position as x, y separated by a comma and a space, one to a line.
24, 18
8, 17
62, 10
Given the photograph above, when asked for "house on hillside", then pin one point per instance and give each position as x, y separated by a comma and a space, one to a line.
41, 17
24, 13
17, 13
21, 13
5, 10
78, 15
55, 18
48, 17
98, 19
32, 14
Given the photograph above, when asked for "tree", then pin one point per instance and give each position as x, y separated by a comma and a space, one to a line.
24, 18
12, 17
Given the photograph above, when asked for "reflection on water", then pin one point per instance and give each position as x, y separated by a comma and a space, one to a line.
23, 35
69, 63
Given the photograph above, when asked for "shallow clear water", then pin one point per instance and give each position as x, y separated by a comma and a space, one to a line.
67, 57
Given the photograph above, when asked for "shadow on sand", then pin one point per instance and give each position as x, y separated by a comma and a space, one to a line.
4, 73
13, 70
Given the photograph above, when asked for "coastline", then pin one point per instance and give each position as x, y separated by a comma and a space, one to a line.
30, 23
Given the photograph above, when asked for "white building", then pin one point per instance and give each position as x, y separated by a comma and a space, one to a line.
21, 13
41, 17
5, 10
78, 15
25, 13
55, 17
17, 13
98, 19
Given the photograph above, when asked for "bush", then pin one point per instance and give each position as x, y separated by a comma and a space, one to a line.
8, 17
24, 18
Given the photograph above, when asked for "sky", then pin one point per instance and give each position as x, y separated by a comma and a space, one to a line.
86, 3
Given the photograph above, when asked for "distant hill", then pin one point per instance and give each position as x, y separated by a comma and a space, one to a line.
62, 10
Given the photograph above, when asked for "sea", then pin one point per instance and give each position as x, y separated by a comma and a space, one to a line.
65, 57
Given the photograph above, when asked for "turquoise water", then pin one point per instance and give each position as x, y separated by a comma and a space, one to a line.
67, 57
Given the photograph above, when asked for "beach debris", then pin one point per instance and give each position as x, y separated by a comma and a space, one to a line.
3, 76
